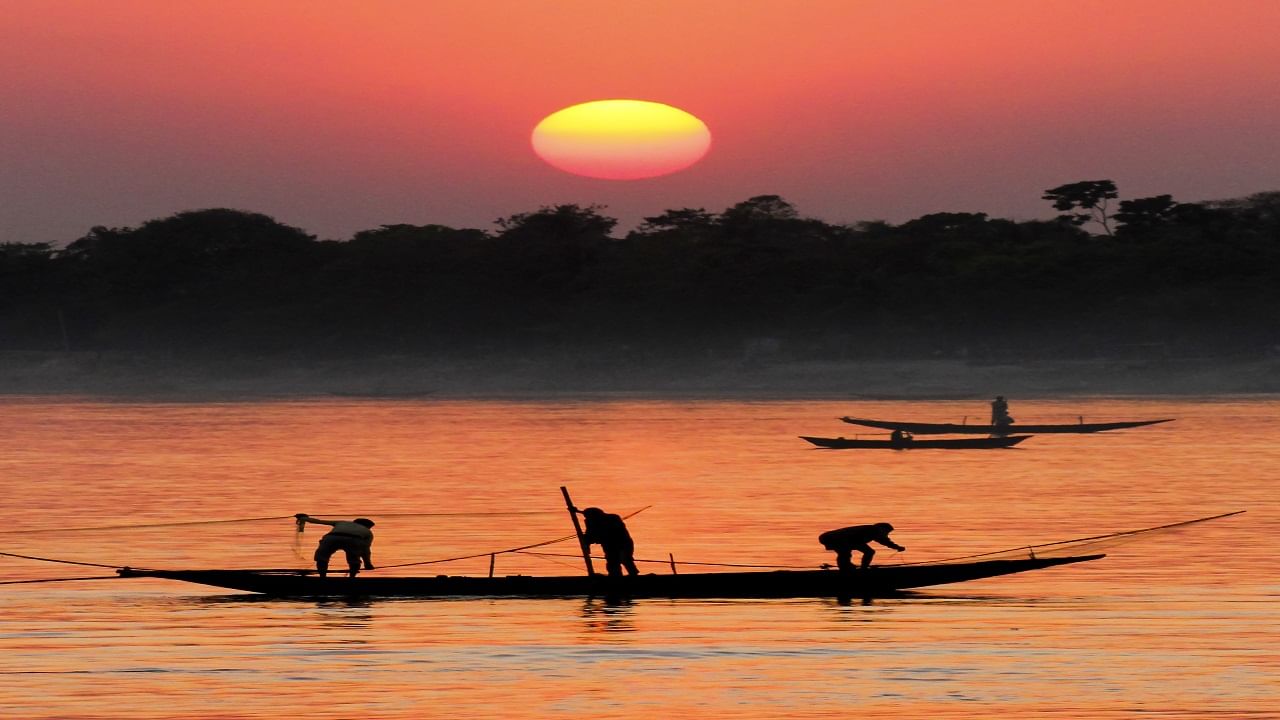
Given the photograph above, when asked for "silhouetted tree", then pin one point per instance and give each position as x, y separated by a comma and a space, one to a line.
760, 208
1091, 196
1143, 215
688, 223
190, 275
558, 222
945, 222
223, 282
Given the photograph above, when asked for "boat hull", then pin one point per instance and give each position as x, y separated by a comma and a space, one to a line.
987, 443
878, 581
956, 428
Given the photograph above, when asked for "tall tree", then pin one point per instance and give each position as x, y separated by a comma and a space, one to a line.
1088, 199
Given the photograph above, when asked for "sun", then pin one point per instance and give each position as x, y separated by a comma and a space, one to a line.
621, 139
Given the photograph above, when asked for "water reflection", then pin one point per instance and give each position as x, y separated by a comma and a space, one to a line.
608, 616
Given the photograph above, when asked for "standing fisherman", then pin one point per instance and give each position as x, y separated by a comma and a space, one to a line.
857, 537
354, 538
610, 532
1000, 412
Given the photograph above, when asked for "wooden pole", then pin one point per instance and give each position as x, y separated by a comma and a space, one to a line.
672, 558
491, 561
577, 528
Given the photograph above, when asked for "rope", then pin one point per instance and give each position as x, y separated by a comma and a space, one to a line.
262, 519
503, 552
683, 562
64, 562
480, 555
1081, 540
135, 527
48, 580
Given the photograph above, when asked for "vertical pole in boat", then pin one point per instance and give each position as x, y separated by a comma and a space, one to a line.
577, 528
672, 558
491, 559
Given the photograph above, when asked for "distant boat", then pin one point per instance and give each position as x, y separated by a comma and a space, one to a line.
918, 428
1002, 441
878, 581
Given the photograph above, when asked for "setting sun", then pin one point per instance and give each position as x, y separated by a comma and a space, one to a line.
621, 139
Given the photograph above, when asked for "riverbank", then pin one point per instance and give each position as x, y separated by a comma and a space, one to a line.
131, 376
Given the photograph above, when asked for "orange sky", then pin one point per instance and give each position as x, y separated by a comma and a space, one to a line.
339, 116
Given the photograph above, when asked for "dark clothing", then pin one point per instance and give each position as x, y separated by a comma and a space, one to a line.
898, 438
857, 537
610, 533
352, 538
1000, 412
354, 547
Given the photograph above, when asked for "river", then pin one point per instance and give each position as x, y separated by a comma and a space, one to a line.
1178, 625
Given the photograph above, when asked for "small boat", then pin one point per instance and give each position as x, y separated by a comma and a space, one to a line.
1002, 441
876, 581
958, 428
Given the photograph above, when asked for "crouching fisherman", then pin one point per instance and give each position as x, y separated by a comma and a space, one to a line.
354, 538
610, 532
857, 537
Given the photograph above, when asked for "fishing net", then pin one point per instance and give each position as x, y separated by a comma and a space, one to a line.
1081, 546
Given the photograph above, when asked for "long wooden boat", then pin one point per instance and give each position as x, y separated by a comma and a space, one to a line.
877, 581
918, 428
1002, 441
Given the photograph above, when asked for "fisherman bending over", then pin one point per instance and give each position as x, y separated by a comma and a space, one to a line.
354, 538
857, 537
610, 532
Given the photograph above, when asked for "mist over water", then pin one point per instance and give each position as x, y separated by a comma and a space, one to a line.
1181, 625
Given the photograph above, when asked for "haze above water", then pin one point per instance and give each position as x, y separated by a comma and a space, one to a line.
1177, 626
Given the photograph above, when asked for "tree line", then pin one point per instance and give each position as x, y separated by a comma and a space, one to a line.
1105, 276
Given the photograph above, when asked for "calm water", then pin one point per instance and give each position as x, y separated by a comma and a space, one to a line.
1182, 625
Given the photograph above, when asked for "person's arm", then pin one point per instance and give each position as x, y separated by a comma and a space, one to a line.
885, 541
305, 518
367, 555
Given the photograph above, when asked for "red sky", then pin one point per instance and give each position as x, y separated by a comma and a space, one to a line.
340, 116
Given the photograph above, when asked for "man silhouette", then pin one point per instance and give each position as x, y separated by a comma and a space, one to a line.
354, 538
857, 537
1000, 411
610, 532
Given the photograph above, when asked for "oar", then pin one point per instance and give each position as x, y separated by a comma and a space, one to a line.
577, 528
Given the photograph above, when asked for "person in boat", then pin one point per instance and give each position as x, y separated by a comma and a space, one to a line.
354, 538
857, 537
609, 532
898, 438
1000, 411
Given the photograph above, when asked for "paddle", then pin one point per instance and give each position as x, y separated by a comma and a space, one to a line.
577, 528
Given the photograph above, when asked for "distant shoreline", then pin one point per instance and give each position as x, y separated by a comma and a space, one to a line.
404, 377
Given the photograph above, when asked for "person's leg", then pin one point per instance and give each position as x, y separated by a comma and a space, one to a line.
629, 558
844, 560
867, 553
353, 559
613, 562
323, 552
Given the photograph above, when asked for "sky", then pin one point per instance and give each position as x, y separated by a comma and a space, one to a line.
341, 116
